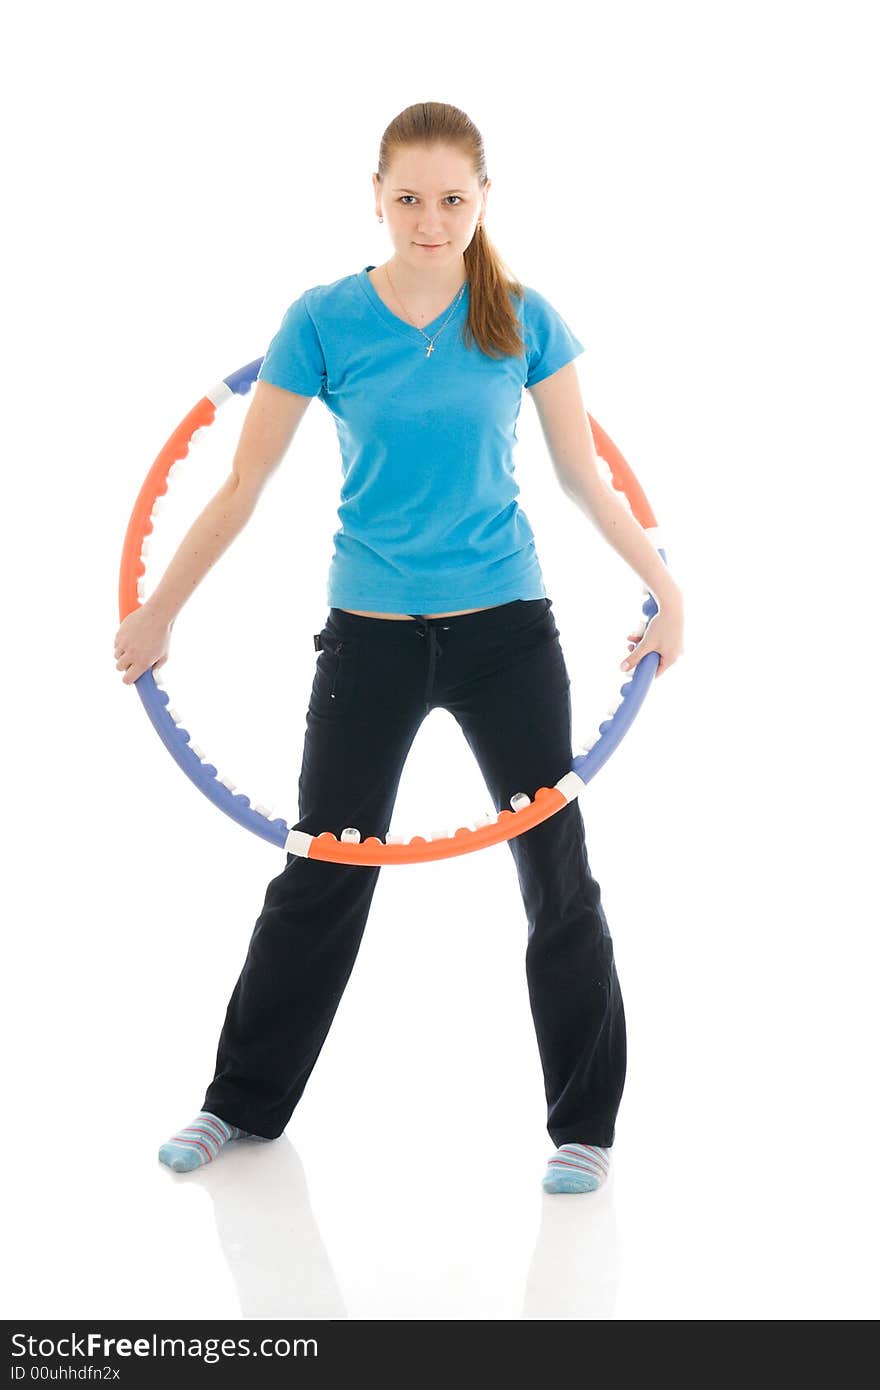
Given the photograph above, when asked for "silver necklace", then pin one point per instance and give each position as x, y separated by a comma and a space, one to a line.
429, 341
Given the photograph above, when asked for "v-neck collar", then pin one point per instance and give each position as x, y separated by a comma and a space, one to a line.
401, 325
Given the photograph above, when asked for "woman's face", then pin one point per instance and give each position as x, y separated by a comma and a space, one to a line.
431, 202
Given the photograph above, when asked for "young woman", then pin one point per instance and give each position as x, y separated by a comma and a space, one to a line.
437, 601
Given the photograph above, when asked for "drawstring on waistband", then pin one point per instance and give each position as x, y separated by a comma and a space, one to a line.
426, 627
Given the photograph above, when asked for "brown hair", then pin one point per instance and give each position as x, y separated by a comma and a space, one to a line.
491, 322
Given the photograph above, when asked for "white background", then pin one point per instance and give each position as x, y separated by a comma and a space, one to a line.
693, 187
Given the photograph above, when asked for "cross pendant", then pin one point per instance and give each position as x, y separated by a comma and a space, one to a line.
430, 349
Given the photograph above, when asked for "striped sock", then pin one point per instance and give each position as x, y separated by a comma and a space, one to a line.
576, 1168
199, 1142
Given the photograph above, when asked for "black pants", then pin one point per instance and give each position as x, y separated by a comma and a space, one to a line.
501, 673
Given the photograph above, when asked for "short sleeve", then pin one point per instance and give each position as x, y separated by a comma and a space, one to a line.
294, 358
550, 343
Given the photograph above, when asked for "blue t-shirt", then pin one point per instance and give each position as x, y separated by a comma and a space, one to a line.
429, 510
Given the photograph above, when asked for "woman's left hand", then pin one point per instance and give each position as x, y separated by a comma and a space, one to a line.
664, 634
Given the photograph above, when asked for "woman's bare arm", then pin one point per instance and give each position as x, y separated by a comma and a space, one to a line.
269, 427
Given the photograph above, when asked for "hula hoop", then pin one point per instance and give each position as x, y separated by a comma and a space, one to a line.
347, 849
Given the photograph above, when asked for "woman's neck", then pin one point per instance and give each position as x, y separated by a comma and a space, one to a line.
442, 284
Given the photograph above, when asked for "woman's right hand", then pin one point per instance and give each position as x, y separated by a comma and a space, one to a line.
142, 642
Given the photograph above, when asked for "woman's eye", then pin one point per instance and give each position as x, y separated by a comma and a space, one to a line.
412, 195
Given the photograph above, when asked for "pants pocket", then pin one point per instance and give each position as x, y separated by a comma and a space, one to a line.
334, 687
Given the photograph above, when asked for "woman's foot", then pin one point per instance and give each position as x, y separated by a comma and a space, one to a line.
200, 1142
577, 1168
